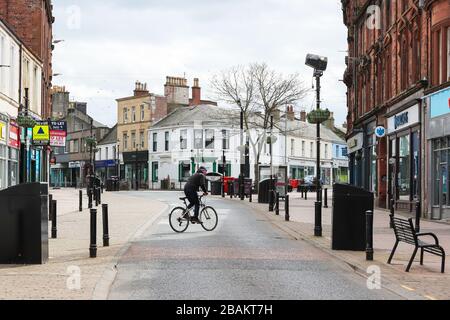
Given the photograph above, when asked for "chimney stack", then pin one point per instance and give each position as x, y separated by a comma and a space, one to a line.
140, 89
303, 116
290, 113
330, 122
196, 93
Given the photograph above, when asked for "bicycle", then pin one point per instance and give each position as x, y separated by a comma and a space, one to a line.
180, 218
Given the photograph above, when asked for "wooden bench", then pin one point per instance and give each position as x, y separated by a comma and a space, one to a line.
405, 232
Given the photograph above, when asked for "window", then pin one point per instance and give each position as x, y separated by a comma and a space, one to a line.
166, 141
99, 154
133, 140
12, 73
133, 114
155, 142
225, 140
326, 151
76, 146
344, 152
142, 113
209, 138
185, 171
125, 115
292, 147
404, 171
303, 148
311, 150
106, 153
154, 170
198, 139
142, 139
2, 61
35, 89
183, 139
125, 141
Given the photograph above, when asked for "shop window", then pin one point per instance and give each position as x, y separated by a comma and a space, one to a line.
185, 171
155, 177
404, 168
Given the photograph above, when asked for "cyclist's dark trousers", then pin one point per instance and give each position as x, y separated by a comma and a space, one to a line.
192, 196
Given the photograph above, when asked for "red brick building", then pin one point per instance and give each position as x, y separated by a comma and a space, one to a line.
398, 56
32, 21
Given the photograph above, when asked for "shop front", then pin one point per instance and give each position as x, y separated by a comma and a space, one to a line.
439, 148
355, 151
135, 169
404, 157
106, 169
3, 151
301, 169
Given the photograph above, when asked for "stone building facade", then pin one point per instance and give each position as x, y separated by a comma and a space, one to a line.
397, 55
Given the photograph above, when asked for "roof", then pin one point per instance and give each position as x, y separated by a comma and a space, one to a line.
191, 115
111, 137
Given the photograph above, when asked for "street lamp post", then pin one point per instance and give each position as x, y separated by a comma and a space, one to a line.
319, 64
241, 150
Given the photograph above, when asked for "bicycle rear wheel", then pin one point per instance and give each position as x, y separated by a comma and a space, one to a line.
209, 219
177, 221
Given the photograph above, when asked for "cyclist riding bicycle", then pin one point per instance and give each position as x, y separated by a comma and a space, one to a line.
191, 188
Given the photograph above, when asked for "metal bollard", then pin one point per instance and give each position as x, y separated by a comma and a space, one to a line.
277, 201
369, 235
100, 195
50, 199
230, 190
96, 196
318, 219
306, 193
418, 215
286, 208
105, 225
271, 201
223, 189
80, 205
93, 245
251, 196
325, 205
54, 219
392, 212
89, 193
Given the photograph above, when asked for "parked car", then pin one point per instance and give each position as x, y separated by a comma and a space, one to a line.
310, 183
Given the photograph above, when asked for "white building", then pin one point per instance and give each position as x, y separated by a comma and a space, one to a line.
19, 70
107, 156
191, 137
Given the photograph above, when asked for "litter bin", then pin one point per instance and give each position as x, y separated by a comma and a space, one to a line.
216, 188
24, 224
263, 191
350, 204
248, 186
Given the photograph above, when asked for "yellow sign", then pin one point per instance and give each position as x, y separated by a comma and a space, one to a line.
41, 133
2, 131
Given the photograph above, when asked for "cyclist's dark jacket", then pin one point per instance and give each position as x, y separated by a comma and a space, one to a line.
196, 182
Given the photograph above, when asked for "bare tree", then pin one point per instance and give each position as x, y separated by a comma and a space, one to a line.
260, 93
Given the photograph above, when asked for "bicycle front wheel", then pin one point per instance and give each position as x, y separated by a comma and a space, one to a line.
177, 220
209, 219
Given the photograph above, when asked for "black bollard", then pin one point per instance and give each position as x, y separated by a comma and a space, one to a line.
54, 219
50, 214
223, 189
392, 212
369, 235
271, 200
325, 198
318, 219
93, 245
99, 195
96, 196
306, 193
80, 206
251, 196
277, 203
89, 192
418, 215
105, 225
286, 208
230, 189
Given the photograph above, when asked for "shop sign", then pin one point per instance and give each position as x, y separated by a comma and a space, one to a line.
2, 131
404, 119
41, 134
440, 103
355, 143
14, 136
73, 165
58, 133
380, 132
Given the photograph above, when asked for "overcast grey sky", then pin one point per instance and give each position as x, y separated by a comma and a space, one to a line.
109, 44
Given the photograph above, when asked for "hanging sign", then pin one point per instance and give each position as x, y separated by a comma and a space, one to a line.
380, 132
41, 134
